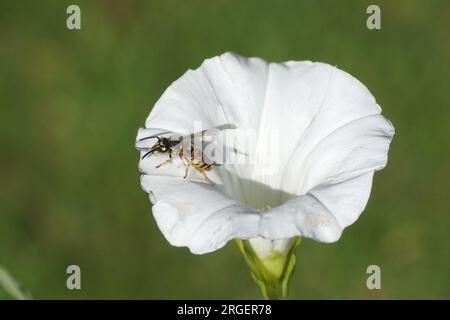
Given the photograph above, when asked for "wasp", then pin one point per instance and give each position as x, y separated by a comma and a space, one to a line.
185, 147
162, 145
192, 157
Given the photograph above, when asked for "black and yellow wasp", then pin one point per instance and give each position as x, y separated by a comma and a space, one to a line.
185, 147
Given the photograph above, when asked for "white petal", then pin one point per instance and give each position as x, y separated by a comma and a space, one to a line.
197, 215
306, 102
322, 214
228, 89
355, 148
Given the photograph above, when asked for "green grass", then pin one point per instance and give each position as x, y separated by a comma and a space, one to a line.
71, 103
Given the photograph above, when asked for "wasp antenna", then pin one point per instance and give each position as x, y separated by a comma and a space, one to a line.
145, 155
155, 135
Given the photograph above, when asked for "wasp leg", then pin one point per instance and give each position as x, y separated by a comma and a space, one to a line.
182, 161
185, 163
187, 170
206, 178
163, 163
166, 161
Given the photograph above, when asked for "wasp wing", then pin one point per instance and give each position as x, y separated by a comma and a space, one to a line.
213, 130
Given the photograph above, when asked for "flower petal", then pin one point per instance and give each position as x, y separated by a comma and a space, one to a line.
356, 148
197, 215
341, 141
337, 179
321, 214
305, 101
227, 89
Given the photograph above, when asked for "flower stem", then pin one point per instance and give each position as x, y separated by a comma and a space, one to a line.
272, 273
11, 286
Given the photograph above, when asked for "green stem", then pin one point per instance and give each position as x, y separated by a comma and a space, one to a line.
11, 286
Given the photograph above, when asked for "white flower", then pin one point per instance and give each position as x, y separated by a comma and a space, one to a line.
332, 139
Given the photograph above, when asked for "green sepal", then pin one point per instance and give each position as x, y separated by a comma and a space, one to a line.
271, 274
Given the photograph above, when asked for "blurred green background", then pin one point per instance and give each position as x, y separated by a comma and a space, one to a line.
72, 101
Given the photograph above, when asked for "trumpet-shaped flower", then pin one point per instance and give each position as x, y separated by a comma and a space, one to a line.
318, 139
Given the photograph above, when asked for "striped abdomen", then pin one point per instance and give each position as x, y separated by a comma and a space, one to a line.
200, 165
